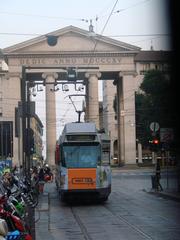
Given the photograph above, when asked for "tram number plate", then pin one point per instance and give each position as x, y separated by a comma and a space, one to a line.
82, 180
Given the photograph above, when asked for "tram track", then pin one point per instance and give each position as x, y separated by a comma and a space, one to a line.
132, 226
87, 235
81, 225
109, 220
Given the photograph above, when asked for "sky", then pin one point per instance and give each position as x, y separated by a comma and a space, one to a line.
22, 20
143, 23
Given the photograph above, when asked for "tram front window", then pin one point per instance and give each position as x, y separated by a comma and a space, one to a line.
81, 156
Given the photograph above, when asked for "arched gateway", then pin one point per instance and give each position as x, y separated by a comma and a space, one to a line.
95, 57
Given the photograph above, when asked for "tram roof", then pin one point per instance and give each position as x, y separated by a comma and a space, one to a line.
81, 128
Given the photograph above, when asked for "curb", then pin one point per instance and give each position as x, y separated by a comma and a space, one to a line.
166, 195
170, 196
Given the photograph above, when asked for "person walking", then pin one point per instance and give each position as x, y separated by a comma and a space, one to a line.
48, 174
41, 175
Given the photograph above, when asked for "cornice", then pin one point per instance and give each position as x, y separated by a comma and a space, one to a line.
14, 74
71, 54
127, 73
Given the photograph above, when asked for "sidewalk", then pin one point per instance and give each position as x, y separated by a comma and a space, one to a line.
42, 215
137, 167
172, 194
131, 167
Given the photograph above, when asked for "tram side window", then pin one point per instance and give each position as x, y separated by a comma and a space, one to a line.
106, 155
63, 163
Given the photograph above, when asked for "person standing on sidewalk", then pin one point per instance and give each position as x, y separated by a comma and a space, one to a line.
158, 176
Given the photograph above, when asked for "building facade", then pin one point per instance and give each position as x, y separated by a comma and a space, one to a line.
94, 57
37, 127
144, 61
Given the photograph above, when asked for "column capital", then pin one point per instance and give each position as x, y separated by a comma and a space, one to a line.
126, 73
89, 74
45, 75
13, 74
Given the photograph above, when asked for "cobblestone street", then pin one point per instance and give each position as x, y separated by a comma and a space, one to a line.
130, 213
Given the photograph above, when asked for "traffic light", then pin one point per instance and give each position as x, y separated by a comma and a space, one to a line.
29, 141
155, 141
154, 144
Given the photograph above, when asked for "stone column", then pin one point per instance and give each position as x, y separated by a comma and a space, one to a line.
139, 146
120, 123
92, 103
50, 117
127, 126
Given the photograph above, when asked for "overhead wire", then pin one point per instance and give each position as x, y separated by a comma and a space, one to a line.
105, 25
41, 16
85, 20
112, 12
68, 18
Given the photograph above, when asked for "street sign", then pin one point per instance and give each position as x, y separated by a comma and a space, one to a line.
154, 126
166, 135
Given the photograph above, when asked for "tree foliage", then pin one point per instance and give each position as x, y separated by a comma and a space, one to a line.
153, 104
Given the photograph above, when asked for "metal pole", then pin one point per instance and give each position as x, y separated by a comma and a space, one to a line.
28, 129
23, 97
167, 169
2, 140
79, 116
11, 139
6, 141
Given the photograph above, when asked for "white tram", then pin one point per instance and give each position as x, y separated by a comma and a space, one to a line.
83, 162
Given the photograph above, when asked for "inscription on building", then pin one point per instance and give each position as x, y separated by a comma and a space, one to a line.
70, 61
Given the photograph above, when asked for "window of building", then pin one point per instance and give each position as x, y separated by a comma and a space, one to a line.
6, 139
1, 112
146, 67
0, 96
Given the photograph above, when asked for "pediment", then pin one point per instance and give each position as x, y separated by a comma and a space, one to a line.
70, 39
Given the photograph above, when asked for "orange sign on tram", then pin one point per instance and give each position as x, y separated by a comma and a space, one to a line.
83, 178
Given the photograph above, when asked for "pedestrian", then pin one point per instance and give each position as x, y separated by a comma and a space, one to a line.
158, 176
41, 180
48, 173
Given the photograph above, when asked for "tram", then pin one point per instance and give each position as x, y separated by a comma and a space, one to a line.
82, 159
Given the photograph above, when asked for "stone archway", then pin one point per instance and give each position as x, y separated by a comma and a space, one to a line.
112, 60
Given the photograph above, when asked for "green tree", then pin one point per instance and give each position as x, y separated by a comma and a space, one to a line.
153, 104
